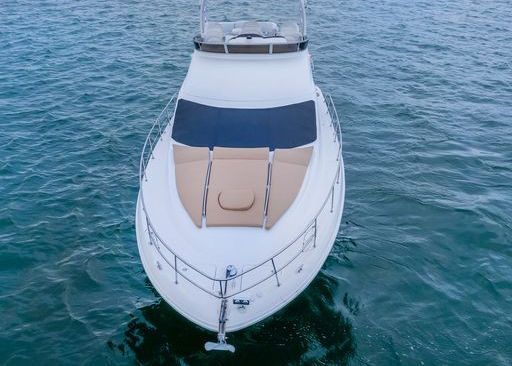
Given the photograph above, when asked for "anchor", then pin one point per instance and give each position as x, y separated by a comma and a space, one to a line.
221, 344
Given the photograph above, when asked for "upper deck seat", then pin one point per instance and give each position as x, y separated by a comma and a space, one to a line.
269, 29
227, 27
253, 28
214, 33
290, 31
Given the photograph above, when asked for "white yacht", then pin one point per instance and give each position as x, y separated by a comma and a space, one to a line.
241, 178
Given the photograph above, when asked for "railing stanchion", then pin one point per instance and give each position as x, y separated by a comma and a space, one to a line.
332, 199
275, 272
314, 237
151, 147
221, 289
160, 132
175, 269
149, 231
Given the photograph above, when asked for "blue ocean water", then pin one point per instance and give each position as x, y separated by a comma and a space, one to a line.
421, 271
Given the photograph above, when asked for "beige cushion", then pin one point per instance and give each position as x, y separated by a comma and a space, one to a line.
236, 199
259, 153
191, 167
288, 171
237, 170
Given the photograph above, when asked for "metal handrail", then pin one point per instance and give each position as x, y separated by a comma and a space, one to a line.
165, 119
260, 48
142, 174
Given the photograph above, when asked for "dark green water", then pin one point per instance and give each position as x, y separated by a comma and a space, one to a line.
421, 271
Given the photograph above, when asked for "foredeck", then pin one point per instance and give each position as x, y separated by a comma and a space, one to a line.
195, 251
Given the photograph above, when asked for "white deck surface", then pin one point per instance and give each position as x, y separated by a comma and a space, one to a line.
249, 81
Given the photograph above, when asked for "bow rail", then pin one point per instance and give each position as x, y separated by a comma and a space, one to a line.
219, 288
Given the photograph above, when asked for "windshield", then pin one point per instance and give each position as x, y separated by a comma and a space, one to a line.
279, 12
280, 127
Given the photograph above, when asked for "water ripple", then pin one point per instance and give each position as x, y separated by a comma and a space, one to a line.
420, 271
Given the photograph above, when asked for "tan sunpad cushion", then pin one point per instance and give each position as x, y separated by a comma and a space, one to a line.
238, 178
191, 167
288, 171
258, 153
235, 172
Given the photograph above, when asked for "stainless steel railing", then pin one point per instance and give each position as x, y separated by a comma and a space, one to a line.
262, 48
218, 286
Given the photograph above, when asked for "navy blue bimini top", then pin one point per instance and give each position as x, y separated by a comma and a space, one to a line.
280, 127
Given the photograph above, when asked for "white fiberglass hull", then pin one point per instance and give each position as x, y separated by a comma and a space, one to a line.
188, 281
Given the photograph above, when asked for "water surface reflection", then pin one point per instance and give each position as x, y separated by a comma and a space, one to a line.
310, 330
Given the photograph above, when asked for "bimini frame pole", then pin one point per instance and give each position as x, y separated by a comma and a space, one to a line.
203, 13
302, 24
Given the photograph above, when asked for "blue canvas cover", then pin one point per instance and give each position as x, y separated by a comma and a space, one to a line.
280, 127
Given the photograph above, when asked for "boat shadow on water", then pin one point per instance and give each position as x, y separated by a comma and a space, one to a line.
310, 330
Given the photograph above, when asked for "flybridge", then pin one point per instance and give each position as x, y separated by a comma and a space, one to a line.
263, 37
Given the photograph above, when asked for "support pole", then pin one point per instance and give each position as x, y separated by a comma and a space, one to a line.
275, 272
